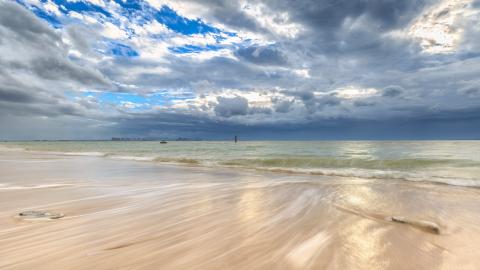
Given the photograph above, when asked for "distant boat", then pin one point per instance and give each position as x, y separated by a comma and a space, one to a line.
163, 142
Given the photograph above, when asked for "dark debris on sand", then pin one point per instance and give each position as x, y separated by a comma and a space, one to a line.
39, 215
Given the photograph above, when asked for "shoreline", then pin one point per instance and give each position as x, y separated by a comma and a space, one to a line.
122, 214
314, 172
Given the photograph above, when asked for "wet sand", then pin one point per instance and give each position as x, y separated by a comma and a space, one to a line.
141, 215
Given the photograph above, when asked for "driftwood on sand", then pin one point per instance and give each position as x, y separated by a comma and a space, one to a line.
424, 225
39, 215
421, 224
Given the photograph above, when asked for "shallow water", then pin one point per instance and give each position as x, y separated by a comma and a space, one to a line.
141, 215
449, 162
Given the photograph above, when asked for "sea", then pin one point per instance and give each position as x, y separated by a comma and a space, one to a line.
446, 162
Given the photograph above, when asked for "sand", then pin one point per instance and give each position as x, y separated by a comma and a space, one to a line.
142, 215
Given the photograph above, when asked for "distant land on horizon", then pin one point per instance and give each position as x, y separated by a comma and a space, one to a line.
223, 140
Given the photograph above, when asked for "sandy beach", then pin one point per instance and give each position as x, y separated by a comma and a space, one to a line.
142, 215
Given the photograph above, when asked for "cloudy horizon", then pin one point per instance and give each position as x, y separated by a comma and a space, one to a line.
330, 69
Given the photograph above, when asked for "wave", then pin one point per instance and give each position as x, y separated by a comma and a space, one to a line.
386, 175
326, 162
402, 169
91, 154
410, 169
123, 157
178, 160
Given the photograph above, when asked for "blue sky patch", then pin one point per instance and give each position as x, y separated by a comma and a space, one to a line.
129, 101
50, 18
136, 11
132, 5
66, 6
118, 49
193, 49
146, 101
177, 23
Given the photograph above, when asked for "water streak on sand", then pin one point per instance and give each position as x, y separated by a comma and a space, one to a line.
302, 254
142, 215
13, 187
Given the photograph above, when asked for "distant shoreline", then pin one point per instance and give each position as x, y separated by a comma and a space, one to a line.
240, 140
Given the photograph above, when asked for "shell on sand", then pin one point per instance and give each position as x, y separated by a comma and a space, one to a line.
39, 215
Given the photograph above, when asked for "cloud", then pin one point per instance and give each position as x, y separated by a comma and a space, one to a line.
262, 55
438, 29
81, 38
36, 71
283, 106
30, 45
392, 91
53, 68
303, 95
194, 65
363, 103
24, 26
11, 94
472, 91
227, 107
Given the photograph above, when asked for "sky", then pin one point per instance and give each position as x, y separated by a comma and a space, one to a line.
212, 69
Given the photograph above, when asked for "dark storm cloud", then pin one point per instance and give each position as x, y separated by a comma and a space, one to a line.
13, 90
23, 25
392, 91
259, 110
21, 99
363, 103
165, 123
312, 102
262, 55
471, 90
12, 94
227, 107
283, 106
330, 14
341, 27
324, 16
35, 70
53, 68
328, 100
303, 95
219, 72
444, 125
44, 48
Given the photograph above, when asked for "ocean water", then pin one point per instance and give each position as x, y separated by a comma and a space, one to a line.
448, 162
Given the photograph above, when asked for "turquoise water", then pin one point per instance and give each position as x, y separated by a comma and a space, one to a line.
450, 162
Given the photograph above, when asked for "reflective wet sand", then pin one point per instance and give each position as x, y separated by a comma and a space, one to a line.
139, 215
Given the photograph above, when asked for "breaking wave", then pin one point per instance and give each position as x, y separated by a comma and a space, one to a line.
452, 171
321, 162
